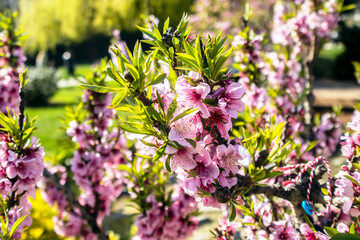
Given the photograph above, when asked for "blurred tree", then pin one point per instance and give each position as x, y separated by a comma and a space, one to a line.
213, 16
50, 22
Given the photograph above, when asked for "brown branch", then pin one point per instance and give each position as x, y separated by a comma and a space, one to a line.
297, 193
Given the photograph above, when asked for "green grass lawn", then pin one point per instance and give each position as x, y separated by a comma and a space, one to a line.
80, 69
48, 121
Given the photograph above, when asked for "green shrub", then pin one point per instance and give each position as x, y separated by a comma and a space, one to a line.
41, 85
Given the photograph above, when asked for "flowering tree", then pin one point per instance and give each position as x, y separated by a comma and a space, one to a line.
247, 143
11, 61
94, 166
21, 155
183, 102
21, 168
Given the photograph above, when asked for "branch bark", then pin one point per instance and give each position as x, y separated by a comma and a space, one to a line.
297, 193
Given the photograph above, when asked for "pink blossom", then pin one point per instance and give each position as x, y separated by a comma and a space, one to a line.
192, 96
71, 227
283, 230
231, 99
345, 190
245, 158
310, 235
227, 157
355, 123
182, 158
220, 121
342, 228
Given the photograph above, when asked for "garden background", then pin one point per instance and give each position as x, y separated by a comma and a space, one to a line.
84, 29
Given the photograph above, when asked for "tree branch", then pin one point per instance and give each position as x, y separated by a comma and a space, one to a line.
297, 193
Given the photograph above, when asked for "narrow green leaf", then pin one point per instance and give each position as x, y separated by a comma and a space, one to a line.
172, 77
183, 114
191, 141
134, 72
210, 102
16, 225
203, 191
135, 130
147, 32
158, 79
118, 98
100, 89
331, 231
123, 167
308, 222
160, 152
311, 145
352, 179
232, 212
143, 156
345, 236
160, 102
167, 164
166, 25
357, 166
171, 110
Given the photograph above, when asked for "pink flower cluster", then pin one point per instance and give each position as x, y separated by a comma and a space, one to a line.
11, 61
309, 21
206, 154
226, 229
94, 166
270, 227
20, 170
351, 141
346, 190
328, 134
248, 51
162, 222
68, 222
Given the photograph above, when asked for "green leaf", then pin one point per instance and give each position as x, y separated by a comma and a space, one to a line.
123, 167
158, 79
100, 89
205, 193
183, 114
209, 101
232, 212
352, 179
159, 99
274, 174
308, 222
135, 130
166, 25
118, 98
172, 77
134, 72
311, 145
191, 141
345, 236
171, 109
16, 225
330, 231
147, 32
143, 156
348, 7
357, 166
167, 164
160, 152
154, 114
352, 228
